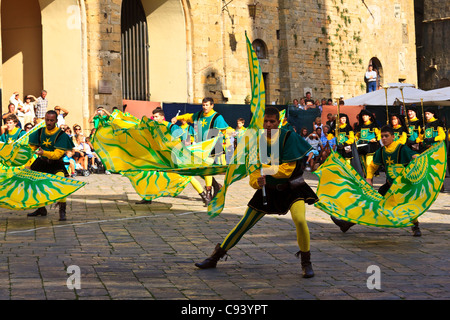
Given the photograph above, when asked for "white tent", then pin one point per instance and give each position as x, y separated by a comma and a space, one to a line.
438, 97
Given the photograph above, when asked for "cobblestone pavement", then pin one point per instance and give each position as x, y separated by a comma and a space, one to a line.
129, 251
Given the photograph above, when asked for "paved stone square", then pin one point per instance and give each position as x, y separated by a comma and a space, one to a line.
129, 251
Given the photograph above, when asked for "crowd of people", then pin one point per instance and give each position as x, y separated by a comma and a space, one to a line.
25, 115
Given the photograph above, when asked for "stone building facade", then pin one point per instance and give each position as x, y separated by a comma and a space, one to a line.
433, 45
194, 48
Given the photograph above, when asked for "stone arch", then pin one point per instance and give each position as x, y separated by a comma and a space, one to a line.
260, 48
169, 63
55, 63
21, 49
376, 63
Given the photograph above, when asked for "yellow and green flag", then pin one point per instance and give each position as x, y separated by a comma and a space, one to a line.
22, 189
245, 157
344, 194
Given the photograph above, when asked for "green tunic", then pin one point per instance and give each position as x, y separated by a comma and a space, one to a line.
281, 194
9, 137
204, 126
401, 155
51, 142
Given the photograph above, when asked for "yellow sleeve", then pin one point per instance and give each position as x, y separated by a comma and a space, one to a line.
282, 171
54, 155
351, 138
187, 117
402, 139
377, 133
254, 179
441, 135
371, 169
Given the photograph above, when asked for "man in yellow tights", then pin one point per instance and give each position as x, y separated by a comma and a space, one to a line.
285, 191
50, 144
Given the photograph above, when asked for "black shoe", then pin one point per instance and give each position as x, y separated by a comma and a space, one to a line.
342, 224
143, 201
307, 270
42, 211
416, 230
216, 186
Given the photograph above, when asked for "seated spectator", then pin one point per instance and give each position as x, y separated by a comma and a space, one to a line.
317, 123
328, 143
28, 126
80, 155
92, 156
68, 131
304, 133
313, 156
69, 163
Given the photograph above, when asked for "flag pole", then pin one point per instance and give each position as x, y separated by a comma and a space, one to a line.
386, 87
404, 106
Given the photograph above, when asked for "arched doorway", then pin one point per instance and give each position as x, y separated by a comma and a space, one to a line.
167, 67
42, 49
135, 78
21, 49
377, 66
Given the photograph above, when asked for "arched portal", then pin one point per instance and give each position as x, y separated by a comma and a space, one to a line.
135, 80
168, 63
21, 48
377, 66
42, 49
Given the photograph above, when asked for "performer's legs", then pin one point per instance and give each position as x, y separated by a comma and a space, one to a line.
303, 239
301, 226
250, 218
62, 203
198, 187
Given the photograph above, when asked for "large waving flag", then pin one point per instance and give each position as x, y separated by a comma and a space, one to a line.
150, 185
344, 194
245, 158
18, 153
22, 189
125, 143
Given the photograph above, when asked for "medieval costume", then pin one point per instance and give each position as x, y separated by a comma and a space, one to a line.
54, 143
367, 137
286, 191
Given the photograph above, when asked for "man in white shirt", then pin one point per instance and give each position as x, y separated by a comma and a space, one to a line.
371, 77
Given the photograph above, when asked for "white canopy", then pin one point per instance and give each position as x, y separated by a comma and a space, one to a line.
437, 97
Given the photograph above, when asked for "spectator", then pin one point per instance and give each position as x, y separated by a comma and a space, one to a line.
28, 109
80, 155
304, 133
100, 114
28, 126
371, 78
329, 119
92, 156
68, 131
41, 107
314, 140
308, 100
11, 110
62, 114
69, 163
317, 123
18, 104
